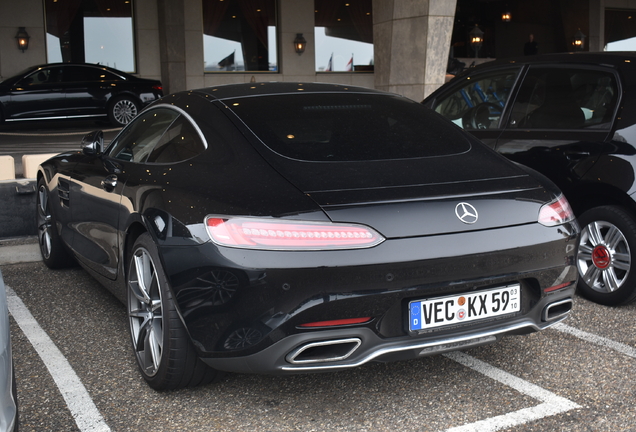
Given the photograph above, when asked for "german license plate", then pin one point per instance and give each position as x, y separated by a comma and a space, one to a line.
441, 311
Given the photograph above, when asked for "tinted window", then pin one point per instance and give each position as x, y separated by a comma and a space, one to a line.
138, 139
80, 73
180, 142
479, 102
560, 98
43, 76
348, 127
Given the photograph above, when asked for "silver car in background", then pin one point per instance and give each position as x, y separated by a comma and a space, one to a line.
8, 400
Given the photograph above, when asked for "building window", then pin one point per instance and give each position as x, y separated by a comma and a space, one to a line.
91, 31
344, 35
239, 36
620, 30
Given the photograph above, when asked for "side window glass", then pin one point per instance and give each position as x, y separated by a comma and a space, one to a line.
96, 74
43, 76
74, 74
561, 98
139, 138
480, 101
180, 142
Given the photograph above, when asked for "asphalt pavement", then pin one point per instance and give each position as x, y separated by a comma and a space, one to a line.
76, 372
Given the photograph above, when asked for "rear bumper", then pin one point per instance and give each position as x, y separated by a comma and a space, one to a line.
359, 346
247, 311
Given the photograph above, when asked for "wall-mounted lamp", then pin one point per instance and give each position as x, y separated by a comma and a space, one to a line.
578, 41
506, 17
300, 43
476, 39
23, 39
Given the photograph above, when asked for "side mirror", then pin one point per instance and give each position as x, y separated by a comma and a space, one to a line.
93, 143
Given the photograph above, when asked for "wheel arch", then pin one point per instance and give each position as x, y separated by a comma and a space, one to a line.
132, 234
588, 196
124, 93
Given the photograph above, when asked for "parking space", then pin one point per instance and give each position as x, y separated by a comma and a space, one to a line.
577, 377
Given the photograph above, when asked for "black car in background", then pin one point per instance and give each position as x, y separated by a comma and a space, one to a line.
571, 117
285, 228
67, 90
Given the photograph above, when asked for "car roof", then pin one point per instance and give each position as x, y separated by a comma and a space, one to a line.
92, 65
614, 59
278, 88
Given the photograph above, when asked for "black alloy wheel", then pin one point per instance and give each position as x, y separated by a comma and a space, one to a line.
53, 252
165, 355
605, 256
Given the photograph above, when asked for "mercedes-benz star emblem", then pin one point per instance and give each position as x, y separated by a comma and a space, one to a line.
466, 213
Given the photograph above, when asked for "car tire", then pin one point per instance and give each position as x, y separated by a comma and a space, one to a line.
54, 254
165, 356
122, 109
605, 257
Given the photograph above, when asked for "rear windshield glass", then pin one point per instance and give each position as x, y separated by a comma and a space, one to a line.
348, 127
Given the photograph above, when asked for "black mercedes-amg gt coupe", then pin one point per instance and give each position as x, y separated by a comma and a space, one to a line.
285, 228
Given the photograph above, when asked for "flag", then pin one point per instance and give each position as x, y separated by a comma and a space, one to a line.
227, 61
349, 67
330, 64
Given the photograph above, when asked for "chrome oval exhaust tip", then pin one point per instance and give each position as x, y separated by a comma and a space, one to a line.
557, 310
324, 351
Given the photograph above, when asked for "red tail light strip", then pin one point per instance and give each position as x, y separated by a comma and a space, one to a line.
558, 287
281, 234
341, 322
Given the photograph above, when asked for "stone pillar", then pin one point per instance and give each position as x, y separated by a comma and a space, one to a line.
172, 45
296, 16
411, 44
147, 39
596, 39
30, 15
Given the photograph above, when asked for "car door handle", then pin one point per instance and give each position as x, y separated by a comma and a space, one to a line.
110, 182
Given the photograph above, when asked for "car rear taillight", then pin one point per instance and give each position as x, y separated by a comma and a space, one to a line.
555, 213
280, 234
157, 87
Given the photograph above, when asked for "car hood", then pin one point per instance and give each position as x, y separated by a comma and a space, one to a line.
415, 197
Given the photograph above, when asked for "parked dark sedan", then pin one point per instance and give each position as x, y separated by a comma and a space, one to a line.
571, 117
283, 228
67, 90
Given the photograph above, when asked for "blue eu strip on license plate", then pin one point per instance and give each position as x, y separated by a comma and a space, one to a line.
441, 311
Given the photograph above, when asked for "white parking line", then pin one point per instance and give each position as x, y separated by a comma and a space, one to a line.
552, 404
79, 402
596, 339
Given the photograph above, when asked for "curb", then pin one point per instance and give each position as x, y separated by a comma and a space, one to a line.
16, 254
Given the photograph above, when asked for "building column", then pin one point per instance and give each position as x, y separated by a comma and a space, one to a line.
411, 45
296, 16
172, 45
30, 15
596, 39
